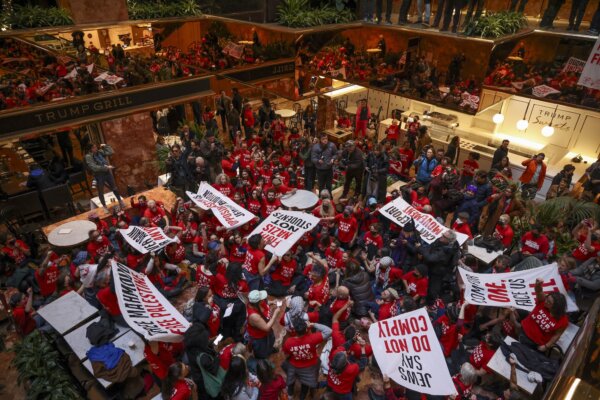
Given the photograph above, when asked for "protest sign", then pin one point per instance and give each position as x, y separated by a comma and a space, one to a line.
408, 351
543, 91
573, 65
590, 75
401, 213
144, 308
146, 240
229, 214
282, 229
512, 289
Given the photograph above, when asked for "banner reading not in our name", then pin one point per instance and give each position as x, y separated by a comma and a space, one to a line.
282, 229
408, 351
229, 214
144, 308
146, 240
401, 213
513, 289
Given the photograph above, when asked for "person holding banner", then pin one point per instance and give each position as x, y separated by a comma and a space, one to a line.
260, 324
255, 262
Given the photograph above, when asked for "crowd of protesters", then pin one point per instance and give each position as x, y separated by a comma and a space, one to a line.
296, 325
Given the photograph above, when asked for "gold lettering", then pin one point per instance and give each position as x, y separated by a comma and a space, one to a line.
74, 111
39, 117
107, 104
85, 108
128, 100
50, 116
62, 114
97, 106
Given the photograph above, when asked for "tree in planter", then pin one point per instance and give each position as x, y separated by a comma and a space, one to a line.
41, 370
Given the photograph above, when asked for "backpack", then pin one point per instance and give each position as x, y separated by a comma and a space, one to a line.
489, 243
212, 383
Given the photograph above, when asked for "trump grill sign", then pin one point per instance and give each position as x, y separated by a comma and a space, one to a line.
408, 351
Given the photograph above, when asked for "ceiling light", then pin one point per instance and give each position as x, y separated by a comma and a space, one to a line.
522, 124
547, 131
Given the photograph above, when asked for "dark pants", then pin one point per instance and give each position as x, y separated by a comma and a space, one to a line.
356, 175
109, 180
513, 5
388, 9
577, 10
439, 11
435, 285
232, 325
324, 178
456, 6
67, 153
197, 112
595, 24
223, 120
472, 4
403, 13
309, 177
551, 13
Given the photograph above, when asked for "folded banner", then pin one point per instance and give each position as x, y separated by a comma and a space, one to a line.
144, 308
146, 240
408, 351
226, 210
282, 229
401, 213
512, 289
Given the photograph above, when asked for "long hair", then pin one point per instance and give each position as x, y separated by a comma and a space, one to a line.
559, 306
173, 374
235, 378
233, 273
201, 294
264, 371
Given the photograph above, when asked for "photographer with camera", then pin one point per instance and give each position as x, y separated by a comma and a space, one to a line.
377, 167
177, 166
96, 161
212, 151
353, 162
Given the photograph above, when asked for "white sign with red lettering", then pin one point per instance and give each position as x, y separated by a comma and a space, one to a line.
513, 289
282, 229
543, 91
229, 214
144, 308
146, 240
408, 351
590, 76
401, 213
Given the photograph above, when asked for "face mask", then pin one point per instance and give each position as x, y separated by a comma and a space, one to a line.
346, 214
99, 239
459, 221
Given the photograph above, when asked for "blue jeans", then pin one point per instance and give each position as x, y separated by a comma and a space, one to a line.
427, 10
255, 282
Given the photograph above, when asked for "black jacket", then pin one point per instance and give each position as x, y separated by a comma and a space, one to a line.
354, 160
440, 257
359, 286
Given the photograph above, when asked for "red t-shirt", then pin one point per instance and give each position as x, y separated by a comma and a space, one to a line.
181, 390
540, 325
48, 281
226, 189
505, 233
154, 216
481, 356
175, 253
109, 300
17, 256
334, 258
406, 157
374, 240
204, 278
303, 349
393, 132
320, 292
581, 253
23, 320
416, 286
385, 310
347, 228
535, 245
463, 228
417, 202
449, 335
469, 167
98, 249
394, 275
271, 390
214, 322
343, 383
254, 206
337, 305
464, 391
225, 356
133, 260
252, 260
269, 206
166, 356
285, 272
252, 331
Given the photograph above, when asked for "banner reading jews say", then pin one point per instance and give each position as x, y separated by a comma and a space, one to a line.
144, 308
512, 289
146, 240
590, 76
229, 214
282, 229
401, 213
407, 350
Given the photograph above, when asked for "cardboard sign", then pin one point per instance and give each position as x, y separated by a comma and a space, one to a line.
408, 351
590, 76
513, 289
229, 214
146, 240
144, 308
574, 65
401, 213
282, 229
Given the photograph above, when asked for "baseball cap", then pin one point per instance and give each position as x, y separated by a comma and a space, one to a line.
372, 201
393, 292
386, 261
257, 295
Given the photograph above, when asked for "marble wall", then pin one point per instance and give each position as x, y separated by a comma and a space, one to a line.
135, 152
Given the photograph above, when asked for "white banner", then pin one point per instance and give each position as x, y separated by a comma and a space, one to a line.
573, 65
543, 91
590, 76
513, 289
144, 308
146, 240
229, 214
400, 212
282, 229
408, 351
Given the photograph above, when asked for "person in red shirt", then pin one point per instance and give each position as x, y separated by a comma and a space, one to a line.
343, 121
547, 321
461, 224
503, 231
318, 292
22, 312
156, 215
484, 352
393, 132
303, 357
271, 384
347, 228
386, 274
342, 298
464, 381
418, 198
160, 355
416, 283
16, 249
223, 185
448, 329
98, 245
101, 225
342, 375
470, 165
282, 275
230, 164
533, 243
206, 311
407, 156
589, 241
47, 279
373, 238
255, 263
107, 297
270, 204
176, 385
278, 129
260, 324
388, 304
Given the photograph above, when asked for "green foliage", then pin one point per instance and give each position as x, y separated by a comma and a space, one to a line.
39, 364
30, 16
299, 14
494, 25
565, 210
163, 9
391, 58
219, 30
276, 50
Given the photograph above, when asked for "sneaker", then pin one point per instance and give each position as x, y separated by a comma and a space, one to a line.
592, 32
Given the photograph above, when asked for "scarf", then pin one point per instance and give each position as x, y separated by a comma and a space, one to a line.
386, 277
99, 158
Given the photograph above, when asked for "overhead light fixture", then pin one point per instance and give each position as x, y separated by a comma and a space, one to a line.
522, 124
548, 130
498, 118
